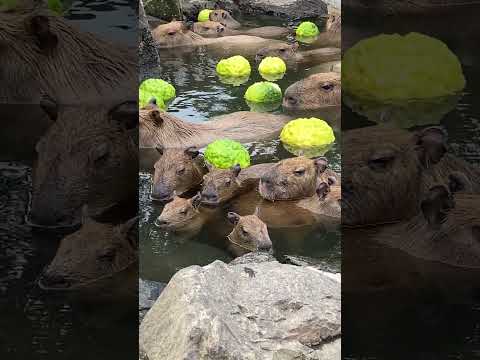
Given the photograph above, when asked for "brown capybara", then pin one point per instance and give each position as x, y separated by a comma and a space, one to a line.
183, 216
177, 171
94, 253
315, 92
44, 54
212, 29
333, 34
221, 185
294, 178
159, 128
249, 234
176, 34
225, 18
88, 155
290, 54
387, 171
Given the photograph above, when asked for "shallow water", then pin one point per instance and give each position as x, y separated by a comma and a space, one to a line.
200, 96
44, 325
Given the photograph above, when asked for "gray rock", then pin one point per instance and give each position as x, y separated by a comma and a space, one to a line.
148, 293
291, 9
245, 311
191, 8
163, 9
253, 257
147, 52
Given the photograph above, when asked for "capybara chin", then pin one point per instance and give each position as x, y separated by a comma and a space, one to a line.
43, 54
292, 179
387, 172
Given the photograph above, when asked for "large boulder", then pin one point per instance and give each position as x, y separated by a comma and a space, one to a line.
148, 293
256, 309
163, 9
291, 9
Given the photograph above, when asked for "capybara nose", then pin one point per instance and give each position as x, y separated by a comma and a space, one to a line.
161, 223
171, 33
290, 100
209, 197
266, 181
53, 281
161, 194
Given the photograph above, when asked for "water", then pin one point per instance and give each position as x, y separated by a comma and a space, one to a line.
43, 325
201, 96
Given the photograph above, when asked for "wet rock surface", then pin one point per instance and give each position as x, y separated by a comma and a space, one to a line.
253, 308
148, 293
147, 52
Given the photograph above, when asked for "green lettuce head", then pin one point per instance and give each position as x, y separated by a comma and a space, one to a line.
394, 67
225, 153
272, 68
204, 15
307, 133
307, 29
155, 88
235, 66
264, 92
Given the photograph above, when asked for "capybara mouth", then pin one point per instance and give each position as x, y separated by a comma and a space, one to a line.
210, 204
162, 200
58, 226
54, 284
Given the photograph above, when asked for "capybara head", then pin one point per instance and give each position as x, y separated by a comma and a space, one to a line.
224, 18
220, 185
384, 172
292, 179
314, 92
284, 51
249, 234
181, 215
174, 34
42, 52
210, 29
95, 252
87, 148
176, 172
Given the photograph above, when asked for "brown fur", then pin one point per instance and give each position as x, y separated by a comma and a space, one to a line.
215, 29
249, 234
89, 153
333, 34
158, 128
225, 18
43, 54
182, 215
291, 55
219, 185
176, 172
387, 171
93, 253
314, 92
292, 179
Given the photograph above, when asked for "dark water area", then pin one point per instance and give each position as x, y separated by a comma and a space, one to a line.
420, 309
200, 96
37, 324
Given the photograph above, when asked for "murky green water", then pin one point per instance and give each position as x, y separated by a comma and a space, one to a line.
200, 96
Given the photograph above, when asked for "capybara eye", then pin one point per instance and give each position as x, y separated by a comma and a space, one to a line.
283, 50
244, 232
181, 171
220, 29
172, 33
224, 15
108, 255
228, 182
328, 87
184, 211
380, 163
299, 172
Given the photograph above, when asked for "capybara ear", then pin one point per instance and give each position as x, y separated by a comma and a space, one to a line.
156, 117
431, 145
126, 114
236, 170
192, 151
436, 205
332, 180
99, 152
322, 190
234, 218
321, 163
458, 181
129, 229
197, 200
160, 149
50, 107
295, 46
39, 27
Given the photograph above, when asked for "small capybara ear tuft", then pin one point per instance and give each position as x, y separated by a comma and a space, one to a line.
236, 170
436, 205
192, 151
234, 218
156, 117
321, 163
39, 27
431, 145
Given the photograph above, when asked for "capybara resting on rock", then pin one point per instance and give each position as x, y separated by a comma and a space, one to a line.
158, 128
177, 171
211, 29
315, 92
176, 34
92, 255
291, 55
43, 54
387, 172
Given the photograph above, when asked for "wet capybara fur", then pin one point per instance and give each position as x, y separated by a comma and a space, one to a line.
314, 92
387, 171
290, 54
97, 251
215, 29
177, 171
182, 215
248, 235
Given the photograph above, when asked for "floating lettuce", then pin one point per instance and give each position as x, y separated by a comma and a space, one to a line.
204, 15
235, 66
307, 136
264, 92
158, 89
307, 29
272, 68
396, 67
225, 153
